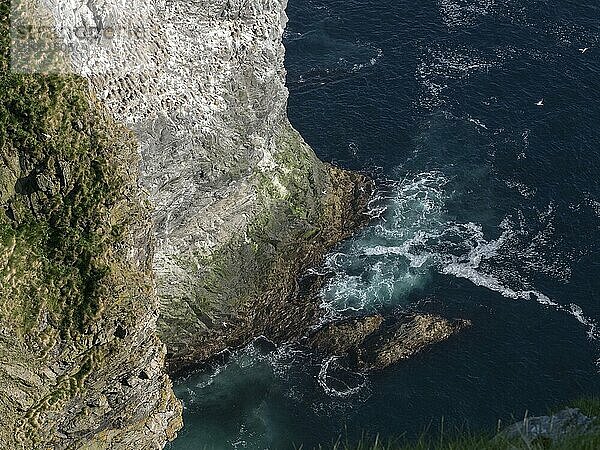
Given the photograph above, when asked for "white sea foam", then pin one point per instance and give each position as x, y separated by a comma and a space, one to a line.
521, 188
458, 14
391, 259
477, 122
461, 13
372, 61
594, 204
325, 380
439, 66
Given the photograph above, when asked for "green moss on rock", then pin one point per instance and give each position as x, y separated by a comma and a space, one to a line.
247, 287
74, 265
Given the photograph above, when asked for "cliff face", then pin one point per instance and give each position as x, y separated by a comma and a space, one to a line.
238, 202
241, 203
80, 362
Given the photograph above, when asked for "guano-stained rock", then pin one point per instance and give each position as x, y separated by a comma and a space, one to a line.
241, 203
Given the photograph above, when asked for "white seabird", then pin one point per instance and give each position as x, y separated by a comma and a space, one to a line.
583, 50
540, 103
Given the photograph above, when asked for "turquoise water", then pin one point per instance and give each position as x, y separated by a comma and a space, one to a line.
489, 209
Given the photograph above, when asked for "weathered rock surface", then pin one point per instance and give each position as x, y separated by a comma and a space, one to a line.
338, 338
81, 365
405, 338
372, 343
548, 430
241, 203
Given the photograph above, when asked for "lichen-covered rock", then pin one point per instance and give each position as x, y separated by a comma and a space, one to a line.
241, 203
81, 365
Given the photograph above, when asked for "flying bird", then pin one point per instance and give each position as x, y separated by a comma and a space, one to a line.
583, 50
540, 103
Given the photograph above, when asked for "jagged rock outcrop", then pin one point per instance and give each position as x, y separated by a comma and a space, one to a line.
81, 365
339, 338
241, 203
374, 343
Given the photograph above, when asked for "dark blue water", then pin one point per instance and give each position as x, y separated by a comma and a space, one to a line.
481, 118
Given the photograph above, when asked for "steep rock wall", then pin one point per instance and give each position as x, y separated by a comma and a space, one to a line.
241, 203
238, 202
81, 365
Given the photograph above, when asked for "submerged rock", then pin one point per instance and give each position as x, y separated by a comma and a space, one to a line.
548, 429
372, 343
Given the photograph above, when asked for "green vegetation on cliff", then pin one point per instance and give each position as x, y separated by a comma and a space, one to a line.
76, 295
61, 175
59, 179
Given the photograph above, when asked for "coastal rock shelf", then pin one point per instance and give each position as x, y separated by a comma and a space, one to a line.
374, 342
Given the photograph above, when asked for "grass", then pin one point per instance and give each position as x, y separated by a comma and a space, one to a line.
467, 440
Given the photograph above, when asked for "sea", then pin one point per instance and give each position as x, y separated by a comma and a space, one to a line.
480, 121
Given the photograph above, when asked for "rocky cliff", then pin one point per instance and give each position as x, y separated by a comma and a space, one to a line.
241, 203
80, 362
238, 206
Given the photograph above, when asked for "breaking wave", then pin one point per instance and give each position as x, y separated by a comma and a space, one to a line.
415, 236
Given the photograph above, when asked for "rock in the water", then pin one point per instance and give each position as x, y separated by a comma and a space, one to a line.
405, 338
339, 337
548, 429
372, 343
